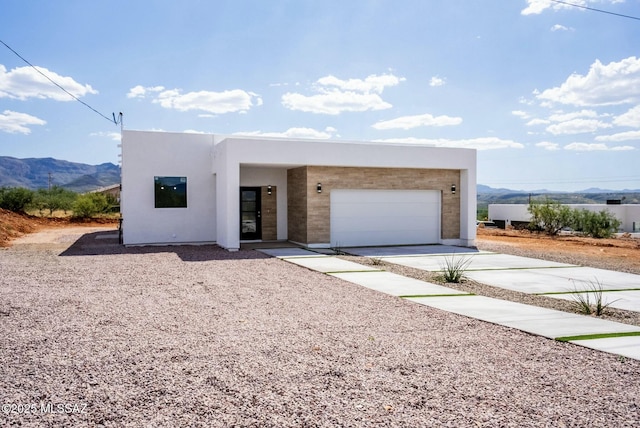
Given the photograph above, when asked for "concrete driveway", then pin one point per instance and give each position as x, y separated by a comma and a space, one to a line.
596, 333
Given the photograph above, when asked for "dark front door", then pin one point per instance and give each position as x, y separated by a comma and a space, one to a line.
250, 224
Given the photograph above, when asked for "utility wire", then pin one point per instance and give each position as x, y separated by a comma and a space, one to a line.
596, 10
63, 89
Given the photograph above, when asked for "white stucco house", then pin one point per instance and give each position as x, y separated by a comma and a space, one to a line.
182, 188
518, 214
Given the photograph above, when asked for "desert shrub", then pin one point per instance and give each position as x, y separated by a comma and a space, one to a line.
454, 268
54, 199
600, 224
90, 204
15, 199
482, 213
549, 216
583, 302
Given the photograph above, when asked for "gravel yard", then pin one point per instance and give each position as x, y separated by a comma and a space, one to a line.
197, 336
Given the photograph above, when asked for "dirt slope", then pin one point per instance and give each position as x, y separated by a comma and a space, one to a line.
618, 254
13, 225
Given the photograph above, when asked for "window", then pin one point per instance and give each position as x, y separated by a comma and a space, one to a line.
170, 192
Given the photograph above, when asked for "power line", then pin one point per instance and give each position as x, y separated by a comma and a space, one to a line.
56, 84
596, 10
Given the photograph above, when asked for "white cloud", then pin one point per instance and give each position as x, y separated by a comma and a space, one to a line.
563, 117
586, 147
14, 122
372, 83
409, 122
630, 118
559, 27
622, 136
527, 101
140, 91
611, 84
334, 102
535, 7
22, 83
534, 122
484, 143
521, 114
436, 81
335, 96
548, 146
112, 135
577, 126
293, 133
235, 100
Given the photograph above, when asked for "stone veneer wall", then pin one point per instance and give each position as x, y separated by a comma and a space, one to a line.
309, 211
269, 213
297, 204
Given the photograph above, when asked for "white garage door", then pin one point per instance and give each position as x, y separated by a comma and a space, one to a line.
384, 217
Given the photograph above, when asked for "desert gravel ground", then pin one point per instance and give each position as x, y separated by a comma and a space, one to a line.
197, 336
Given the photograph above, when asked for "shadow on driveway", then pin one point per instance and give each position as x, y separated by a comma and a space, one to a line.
106, 243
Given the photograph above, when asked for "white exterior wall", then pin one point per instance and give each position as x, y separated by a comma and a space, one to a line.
627, 214
149, 154
509, 212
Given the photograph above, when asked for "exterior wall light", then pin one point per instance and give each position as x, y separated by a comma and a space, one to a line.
268, 189
453, 189
319, 187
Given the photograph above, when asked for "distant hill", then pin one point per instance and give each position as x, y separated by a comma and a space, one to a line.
33, 173
481, 188
488, 195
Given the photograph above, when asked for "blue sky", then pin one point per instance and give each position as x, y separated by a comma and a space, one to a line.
548, 94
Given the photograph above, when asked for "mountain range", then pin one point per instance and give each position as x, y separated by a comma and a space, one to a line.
481, 188
38, 173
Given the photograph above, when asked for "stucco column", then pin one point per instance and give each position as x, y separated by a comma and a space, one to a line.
228, 204
468, 207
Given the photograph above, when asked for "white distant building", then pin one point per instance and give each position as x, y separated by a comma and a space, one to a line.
197, 188
517, 214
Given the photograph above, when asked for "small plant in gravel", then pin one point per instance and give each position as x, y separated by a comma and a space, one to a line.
376, 261
585, 304
454, 268
337, 249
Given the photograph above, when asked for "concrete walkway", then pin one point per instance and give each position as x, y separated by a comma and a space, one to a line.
617, 338
526, 275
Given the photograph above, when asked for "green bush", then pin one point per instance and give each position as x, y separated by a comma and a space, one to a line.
549, 216
90, 204
454, 268
600, 224
582, 299
15, 199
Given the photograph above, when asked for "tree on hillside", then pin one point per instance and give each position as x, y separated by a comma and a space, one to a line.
56, 198
549, 216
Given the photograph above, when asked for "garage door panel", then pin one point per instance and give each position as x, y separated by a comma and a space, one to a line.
372, 224
384, 217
